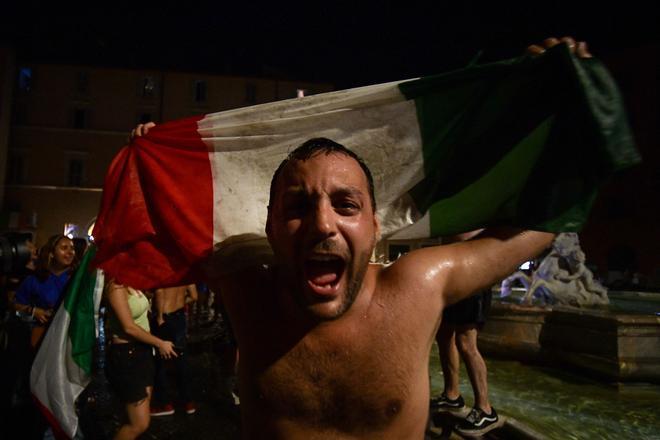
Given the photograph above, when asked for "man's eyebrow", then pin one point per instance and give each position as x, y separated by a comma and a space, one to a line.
294, 190
350, 191
297, 190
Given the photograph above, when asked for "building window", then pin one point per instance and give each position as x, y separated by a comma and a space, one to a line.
76, 172
25, 79
82, 83
199, 91
80, 118
15, 168
250, 93
148, 87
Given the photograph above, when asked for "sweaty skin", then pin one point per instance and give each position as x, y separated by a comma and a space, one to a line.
333, 346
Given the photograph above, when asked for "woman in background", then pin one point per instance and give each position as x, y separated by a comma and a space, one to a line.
130, 364
39, 294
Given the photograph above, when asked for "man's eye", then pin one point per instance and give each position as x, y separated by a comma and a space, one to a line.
346, 206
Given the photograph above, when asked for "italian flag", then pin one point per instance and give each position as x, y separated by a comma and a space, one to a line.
63, 365
526, 141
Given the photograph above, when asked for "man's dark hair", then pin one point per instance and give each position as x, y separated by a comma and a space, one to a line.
326, 146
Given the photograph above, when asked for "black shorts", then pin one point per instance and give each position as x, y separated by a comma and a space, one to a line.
471, 310
130, 370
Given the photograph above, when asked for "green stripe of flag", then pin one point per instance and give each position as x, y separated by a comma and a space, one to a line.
525, 141
79, 303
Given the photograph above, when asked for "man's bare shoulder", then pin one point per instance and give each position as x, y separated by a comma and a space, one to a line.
237, 257
415, 292
421, 274
426, 262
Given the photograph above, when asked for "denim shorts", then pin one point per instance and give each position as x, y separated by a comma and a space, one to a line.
130, 370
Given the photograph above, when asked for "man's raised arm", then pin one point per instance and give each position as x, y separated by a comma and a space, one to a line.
490, 257
457, 270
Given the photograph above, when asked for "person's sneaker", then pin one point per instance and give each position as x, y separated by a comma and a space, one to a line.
165, 410
478, 422
190, 408
443, 403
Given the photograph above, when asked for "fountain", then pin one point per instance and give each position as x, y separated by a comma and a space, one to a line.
563, 317
561, 278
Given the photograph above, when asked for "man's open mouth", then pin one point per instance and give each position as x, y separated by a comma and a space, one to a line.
323, 273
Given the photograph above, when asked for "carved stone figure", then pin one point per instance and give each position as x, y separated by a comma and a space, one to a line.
561, 277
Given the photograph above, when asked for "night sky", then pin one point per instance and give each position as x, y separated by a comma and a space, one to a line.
347, 43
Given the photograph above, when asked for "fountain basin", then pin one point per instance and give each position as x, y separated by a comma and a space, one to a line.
613, 344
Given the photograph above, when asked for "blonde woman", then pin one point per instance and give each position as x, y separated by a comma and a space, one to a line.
130, 365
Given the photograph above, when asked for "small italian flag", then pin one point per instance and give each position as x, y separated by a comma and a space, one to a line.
63, 365
526, 142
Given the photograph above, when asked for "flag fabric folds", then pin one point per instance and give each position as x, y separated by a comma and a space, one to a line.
525, 142
62, 367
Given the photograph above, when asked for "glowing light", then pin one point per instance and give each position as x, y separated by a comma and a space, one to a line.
526, 265
90, 229
70, 230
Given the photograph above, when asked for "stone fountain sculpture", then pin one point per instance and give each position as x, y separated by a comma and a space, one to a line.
561, 277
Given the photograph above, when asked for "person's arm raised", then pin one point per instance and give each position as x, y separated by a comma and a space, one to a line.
490, 257
457, 270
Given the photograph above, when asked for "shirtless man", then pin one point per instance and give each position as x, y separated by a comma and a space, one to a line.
171, 326
332, 346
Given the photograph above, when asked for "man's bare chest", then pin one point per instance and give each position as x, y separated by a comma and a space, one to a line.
353, 383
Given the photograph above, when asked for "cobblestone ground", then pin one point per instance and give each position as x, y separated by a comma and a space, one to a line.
216, 416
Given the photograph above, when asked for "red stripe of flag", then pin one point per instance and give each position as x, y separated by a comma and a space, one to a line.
142, 241
58, 432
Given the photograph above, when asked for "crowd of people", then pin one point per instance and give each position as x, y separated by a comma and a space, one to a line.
145, 331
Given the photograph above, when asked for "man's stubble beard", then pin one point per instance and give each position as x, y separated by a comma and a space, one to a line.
355, 277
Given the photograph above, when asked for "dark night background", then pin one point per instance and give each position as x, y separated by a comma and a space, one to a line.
347, 43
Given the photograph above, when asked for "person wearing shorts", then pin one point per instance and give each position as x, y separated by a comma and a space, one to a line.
130, 370
456, 336
130, 365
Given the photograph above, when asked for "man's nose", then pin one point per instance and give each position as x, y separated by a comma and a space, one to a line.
324, 218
